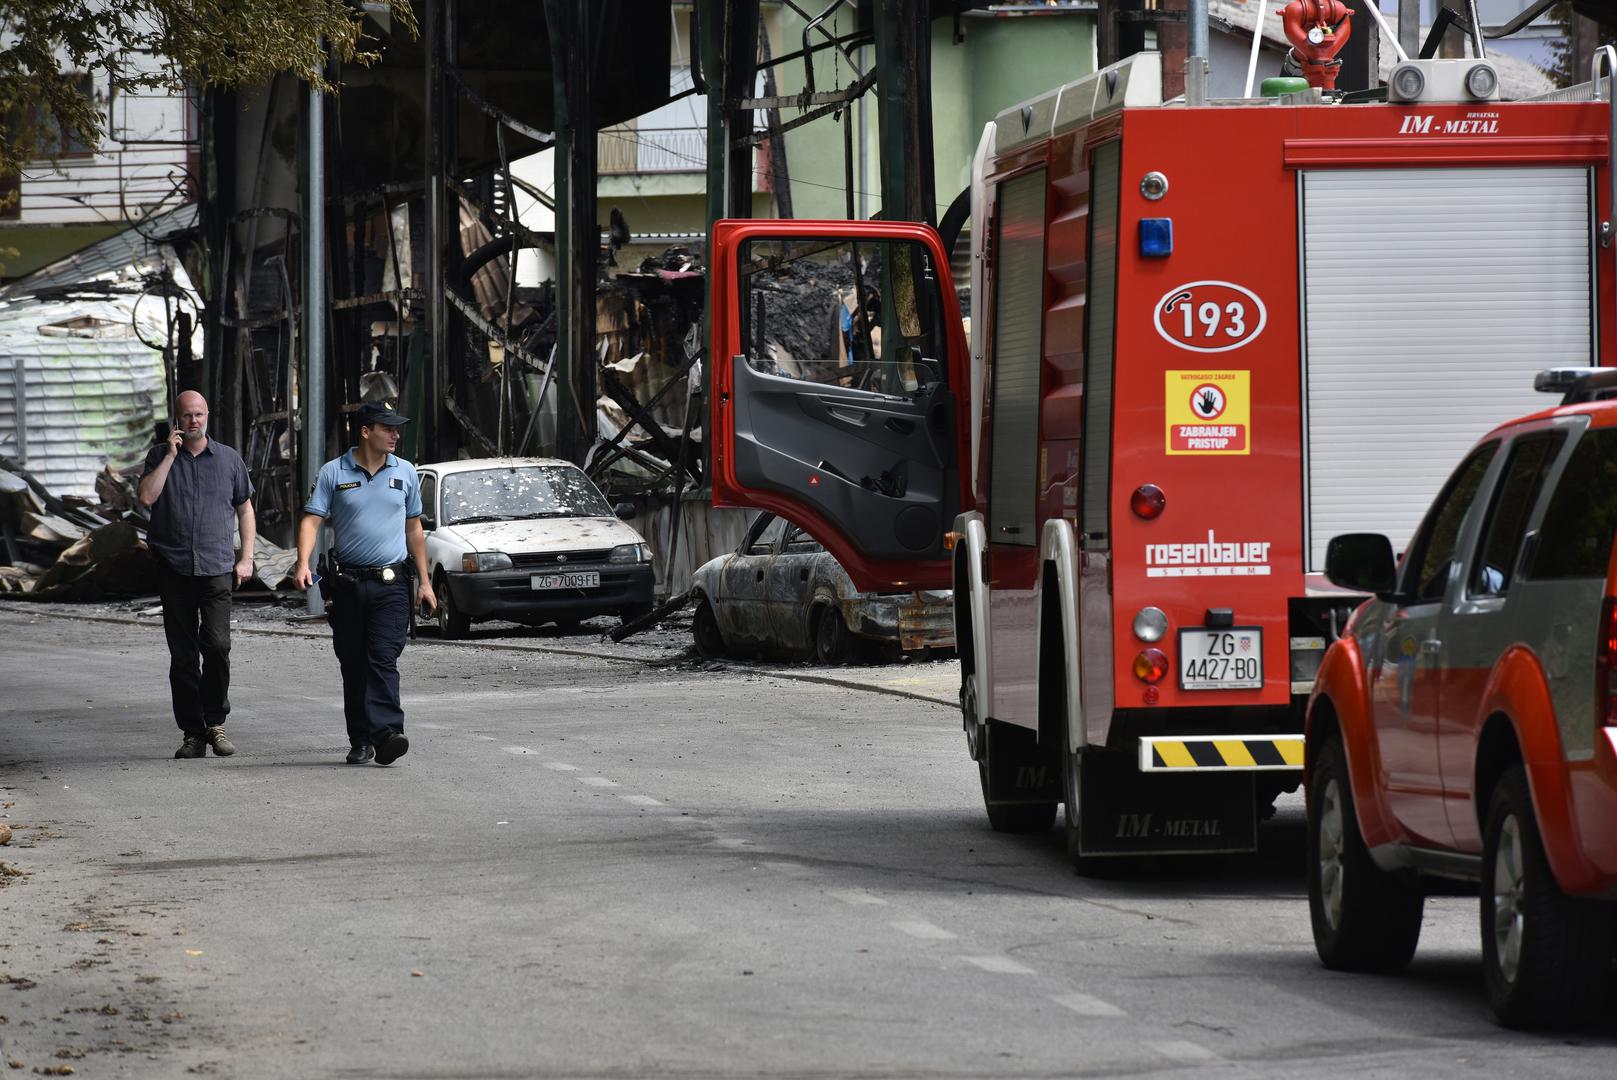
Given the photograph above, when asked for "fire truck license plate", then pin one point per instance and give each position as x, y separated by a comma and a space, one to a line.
580, 580
1221, 659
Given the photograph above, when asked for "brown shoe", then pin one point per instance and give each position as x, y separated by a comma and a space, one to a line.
222, 747
192, 747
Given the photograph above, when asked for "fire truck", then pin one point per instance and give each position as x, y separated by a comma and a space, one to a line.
1203, 340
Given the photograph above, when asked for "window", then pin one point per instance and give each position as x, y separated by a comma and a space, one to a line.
1513, 502
1574, 540
1426, 574
521, 493
766, 532
1018, 345
859, 314
799, 542
429, 501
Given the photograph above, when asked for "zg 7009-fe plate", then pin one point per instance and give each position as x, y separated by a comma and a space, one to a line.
580, 579
1221, 659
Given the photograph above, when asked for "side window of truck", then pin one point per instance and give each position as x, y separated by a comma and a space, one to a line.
1530, 459
844, 312
1436, 546
1574, 540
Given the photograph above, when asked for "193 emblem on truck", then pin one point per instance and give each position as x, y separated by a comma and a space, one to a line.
1210, 316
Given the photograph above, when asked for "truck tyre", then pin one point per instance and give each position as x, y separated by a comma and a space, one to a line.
1072, 799
705, 629
1546, 955
1363, 918
451, 623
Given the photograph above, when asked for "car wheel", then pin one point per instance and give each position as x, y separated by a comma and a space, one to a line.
1364, 919
831, 638
1546, 956
451, 623
705, 629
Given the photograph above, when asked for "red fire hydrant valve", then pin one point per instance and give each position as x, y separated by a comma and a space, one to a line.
1317, 30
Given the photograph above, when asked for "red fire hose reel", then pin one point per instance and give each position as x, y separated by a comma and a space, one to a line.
1317, 30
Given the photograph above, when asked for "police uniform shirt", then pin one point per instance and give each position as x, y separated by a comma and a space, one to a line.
367, 511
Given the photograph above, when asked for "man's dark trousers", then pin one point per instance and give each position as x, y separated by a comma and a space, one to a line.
369, 621
196, 620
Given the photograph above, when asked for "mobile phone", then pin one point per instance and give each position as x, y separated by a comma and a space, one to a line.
423, 611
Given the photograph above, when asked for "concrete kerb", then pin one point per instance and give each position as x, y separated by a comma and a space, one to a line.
506, 646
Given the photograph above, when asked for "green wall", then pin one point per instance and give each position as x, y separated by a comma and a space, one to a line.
1001, 61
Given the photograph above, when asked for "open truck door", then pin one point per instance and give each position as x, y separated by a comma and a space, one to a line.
839, 362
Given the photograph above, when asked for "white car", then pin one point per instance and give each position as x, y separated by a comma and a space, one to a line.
531, 540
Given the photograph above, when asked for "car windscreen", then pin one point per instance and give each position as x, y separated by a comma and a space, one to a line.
523, 491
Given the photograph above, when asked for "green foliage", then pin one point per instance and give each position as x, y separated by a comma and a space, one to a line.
49, 45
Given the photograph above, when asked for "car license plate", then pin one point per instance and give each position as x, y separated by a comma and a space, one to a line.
582, 579
1221, 659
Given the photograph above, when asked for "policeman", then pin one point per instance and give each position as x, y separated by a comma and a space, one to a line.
373, 500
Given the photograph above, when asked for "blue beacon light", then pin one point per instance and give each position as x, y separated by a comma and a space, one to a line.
1156, 237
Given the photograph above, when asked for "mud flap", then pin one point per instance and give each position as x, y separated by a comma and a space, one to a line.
1017, 771
1127, 812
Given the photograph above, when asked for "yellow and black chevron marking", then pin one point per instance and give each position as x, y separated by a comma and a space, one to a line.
1214, 752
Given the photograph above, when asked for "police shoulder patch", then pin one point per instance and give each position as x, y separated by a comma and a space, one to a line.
348, 486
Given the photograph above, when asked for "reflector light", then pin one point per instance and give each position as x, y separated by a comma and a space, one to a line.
1151, 665
1606, 664
1147, 501
1151, 695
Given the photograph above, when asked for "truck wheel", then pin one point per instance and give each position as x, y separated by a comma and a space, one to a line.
451, 623
1364, 919
1546, 956
705, 629
831, 637
976, 735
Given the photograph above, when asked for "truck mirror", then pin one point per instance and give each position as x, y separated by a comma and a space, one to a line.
1362, 562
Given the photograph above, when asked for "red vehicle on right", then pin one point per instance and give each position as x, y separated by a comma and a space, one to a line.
1462, 731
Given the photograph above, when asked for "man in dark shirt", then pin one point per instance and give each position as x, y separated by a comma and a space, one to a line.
195, 486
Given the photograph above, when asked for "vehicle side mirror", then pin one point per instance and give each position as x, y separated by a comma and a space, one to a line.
1362, 562
623, 510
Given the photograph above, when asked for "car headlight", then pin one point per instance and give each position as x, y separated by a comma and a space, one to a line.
635, 553
474, 561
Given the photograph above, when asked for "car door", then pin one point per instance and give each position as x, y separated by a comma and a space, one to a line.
790, 583
1406, 674
838, 354
1487, 618
740, 607
429, 518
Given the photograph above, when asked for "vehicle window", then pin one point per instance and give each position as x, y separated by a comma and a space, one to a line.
1530, 459
1433, 553
429, 501
519, 492
764, 542
1574, 540
855, 313
799, 542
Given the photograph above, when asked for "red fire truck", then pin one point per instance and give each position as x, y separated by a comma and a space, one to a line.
1203, 341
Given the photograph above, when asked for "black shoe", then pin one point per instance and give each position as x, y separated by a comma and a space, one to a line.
360, 753
192, 747
391, 747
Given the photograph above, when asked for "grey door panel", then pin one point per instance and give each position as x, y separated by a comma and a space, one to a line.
885, 463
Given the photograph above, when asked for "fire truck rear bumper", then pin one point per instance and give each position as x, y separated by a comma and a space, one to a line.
1221, 753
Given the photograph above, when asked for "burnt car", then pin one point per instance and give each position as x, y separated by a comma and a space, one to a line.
780, 593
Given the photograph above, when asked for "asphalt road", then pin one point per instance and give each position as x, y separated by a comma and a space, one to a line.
607, 868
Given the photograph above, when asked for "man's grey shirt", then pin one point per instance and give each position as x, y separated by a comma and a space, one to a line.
194, 519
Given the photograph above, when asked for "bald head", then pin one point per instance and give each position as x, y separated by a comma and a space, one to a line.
191, 416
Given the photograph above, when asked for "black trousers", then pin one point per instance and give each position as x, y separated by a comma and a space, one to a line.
369, 621
196, 620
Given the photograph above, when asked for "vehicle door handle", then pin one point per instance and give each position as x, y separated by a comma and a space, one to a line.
1431, 647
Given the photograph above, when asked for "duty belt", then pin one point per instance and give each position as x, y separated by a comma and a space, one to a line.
385, 574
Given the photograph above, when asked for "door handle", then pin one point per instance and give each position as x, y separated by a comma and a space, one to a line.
1431, 647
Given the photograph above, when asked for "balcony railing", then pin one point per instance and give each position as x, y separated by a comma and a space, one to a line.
622, 150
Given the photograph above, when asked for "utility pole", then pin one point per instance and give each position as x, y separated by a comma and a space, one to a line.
314, 301
904, 109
